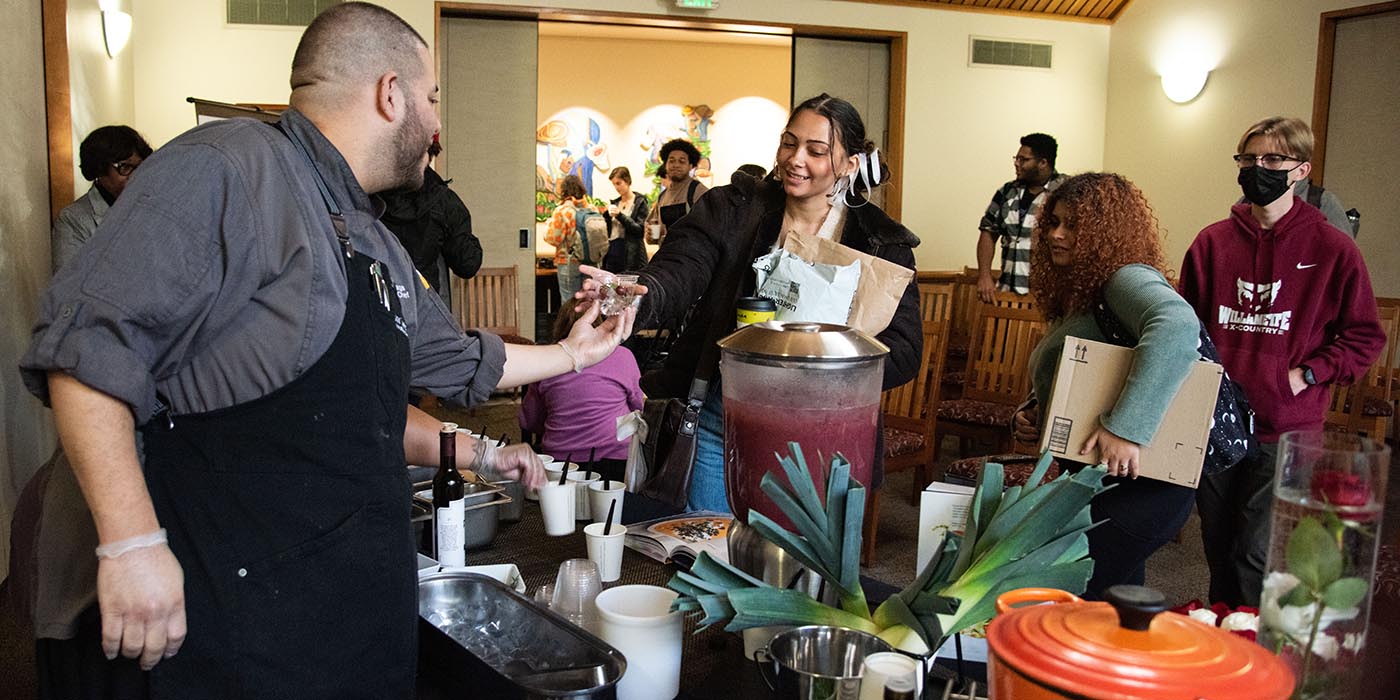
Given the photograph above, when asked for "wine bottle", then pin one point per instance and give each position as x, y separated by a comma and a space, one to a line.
449, 494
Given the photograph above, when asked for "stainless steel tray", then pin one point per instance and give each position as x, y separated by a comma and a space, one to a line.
480, 637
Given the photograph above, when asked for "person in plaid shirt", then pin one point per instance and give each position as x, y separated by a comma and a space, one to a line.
1011, 216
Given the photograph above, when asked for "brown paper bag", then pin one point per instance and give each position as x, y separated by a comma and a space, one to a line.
882, 283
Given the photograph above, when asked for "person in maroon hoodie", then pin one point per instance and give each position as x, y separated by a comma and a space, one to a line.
1288, 302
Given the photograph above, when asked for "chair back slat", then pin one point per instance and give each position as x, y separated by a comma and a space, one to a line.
1004, 334
489, 301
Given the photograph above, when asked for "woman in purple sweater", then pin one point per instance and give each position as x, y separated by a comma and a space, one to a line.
576, 414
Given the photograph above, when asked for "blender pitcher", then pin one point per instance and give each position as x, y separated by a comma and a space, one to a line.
817, 384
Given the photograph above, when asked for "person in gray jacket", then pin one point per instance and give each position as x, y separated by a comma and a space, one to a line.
246, 309
107, 158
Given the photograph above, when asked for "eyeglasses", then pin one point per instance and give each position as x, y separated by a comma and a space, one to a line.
124, 168
1272, 161
1023, 159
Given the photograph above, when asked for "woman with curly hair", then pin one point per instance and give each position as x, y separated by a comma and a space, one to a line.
1099, 247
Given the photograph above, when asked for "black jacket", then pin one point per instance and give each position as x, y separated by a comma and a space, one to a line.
630, 253
431, 223
684, 271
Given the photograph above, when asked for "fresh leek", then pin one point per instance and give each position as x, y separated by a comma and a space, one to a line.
1031, 535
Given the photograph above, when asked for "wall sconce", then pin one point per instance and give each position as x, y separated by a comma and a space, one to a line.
1183, 83
116, 27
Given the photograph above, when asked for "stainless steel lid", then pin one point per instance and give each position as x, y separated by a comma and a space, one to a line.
803, 341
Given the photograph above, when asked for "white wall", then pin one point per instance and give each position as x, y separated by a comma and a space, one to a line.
101, 86
1264, 54
28, 435
184, 48
961, 124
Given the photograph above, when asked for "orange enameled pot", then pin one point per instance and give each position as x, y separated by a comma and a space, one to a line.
1121, 649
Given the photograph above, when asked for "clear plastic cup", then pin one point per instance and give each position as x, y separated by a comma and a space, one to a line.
617, 293
576, 587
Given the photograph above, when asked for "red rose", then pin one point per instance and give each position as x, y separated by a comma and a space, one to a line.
1340, 488
1186, 608
1251, 635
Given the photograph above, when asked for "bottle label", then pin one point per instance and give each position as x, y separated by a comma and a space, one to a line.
451, 534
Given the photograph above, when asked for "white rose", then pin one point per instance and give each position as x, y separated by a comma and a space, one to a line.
1326, 646
1240, 621
1203, 615
1294, 621
1354, 642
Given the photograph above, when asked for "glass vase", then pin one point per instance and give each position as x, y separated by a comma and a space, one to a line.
1329, 491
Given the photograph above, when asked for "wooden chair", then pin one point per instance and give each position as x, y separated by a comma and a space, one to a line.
910, 410
490, 301
998, 373
1368, 405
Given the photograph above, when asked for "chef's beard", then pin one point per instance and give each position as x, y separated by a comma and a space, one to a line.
411, 143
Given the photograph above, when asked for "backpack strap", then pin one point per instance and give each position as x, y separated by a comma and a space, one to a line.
1315, 194
690, 194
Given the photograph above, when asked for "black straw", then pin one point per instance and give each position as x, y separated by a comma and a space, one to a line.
564, 474
607, 525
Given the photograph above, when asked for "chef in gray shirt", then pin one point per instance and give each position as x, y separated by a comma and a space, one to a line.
243, 306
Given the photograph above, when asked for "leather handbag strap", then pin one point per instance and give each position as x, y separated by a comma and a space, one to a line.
730, 282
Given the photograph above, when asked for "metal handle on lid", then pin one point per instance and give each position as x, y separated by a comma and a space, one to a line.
803, 327
1135, 605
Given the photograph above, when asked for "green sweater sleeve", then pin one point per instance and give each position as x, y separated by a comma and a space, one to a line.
1168, 334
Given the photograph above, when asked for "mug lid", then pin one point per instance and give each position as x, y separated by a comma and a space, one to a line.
1126, 649
802, 340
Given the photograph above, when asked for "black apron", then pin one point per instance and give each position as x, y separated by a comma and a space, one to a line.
671, 213
290, 517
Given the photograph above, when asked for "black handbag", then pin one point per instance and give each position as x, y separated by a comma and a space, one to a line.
672, 422
1232, 424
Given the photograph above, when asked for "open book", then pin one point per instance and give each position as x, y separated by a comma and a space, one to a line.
680, 538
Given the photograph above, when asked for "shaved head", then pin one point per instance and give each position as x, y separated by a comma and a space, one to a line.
353, 44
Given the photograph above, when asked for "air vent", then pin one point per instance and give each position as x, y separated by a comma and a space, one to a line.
1022, 54
279, 12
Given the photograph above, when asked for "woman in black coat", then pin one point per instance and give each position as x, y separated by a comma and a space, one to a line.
824, 165
626, 222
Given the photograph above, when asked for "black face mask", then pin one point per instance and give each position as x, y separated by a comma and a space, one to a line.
1261, 185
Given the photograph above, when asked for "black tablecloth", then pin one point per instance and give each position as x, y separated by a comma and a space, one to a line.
712, 661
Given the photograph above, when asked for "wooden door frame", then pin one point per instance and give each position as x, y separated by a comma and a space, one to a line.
898, 43
58, 105
1322, 87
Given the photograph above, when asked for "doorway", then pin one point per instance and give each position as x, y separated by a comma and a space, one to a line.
598, 103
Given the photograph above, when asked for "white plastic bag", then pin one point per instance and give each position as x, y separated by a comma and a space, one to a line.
805, 291
631, 426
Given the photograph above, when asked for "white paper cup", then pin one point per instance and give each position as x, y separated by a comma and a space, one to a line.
884, 665
546, 461
557, 505
637, 621
605, 550
582, 480
655, 231
599, 499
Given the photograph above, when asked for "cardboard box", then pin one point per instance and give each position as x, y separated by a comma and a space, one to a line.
943, 508
1087, 384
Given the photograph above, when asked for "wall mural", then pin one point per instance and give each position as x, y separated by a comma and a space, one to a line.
562, 150
576, 147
